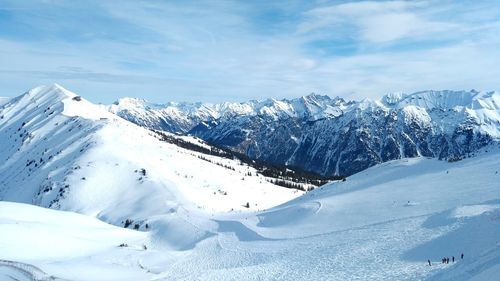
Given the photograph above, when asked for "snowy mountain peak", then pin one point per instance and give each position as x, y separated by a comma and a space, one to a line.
4, 100
54, 99
444, 100
393, 98
61, 151
312, 106
316, 98
128, 102
53, 90
42, 95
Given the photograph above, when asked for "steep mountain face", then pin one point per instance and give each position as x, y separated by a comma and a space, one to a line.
446, 125
171, 117
183, 117
332, 136
60, 151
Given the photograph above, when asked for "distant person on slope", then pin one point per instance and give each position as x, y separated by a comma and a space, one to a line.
453, 259
462, 256
429, 261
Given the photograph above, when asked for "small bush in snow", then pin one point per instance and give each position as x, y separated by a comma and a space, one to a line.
128, 222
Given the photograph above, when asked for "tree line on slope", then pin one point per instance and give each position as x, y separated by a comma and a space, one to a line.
286, 176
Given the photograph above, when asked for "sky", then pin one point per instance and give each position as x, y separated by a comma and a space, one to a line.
218, 50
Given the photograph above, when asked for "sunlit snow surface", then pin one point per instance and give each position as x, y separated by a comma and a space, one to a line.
361, 229
381, 224
63, 153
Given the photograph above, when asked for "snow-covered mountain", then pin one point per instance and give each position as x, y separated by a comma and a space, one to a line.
171, 117
330, 135
182, 117
61, 151
3, 100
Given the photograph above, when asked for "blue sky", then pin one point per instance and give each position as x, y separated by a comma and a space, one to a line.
238, 50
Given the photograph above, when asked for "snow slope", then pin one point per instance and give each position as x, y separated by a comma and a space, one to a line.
381, 224
61, 151
10, 270
65, 240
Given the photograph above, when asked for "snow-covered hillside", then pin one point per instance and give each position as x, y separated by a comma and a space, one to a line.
330, 135
63, 240
381, 224
60, 151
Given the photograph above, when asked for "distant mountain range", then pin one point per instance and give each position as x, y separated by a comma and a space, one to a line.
332, 136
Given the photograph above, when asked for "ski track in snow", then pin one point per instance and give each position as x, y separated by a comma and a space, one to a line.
341, 255
11, 270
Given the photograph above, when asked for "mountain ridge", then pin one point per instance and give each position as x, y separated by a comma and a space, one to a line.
63, 152
315, 132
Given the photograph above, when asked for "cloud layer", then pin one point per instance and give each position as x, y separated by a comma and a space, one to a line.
238, 50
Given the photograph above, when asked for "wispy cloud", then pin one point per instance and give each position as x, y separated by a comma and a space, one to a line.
374, 22
237, 50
